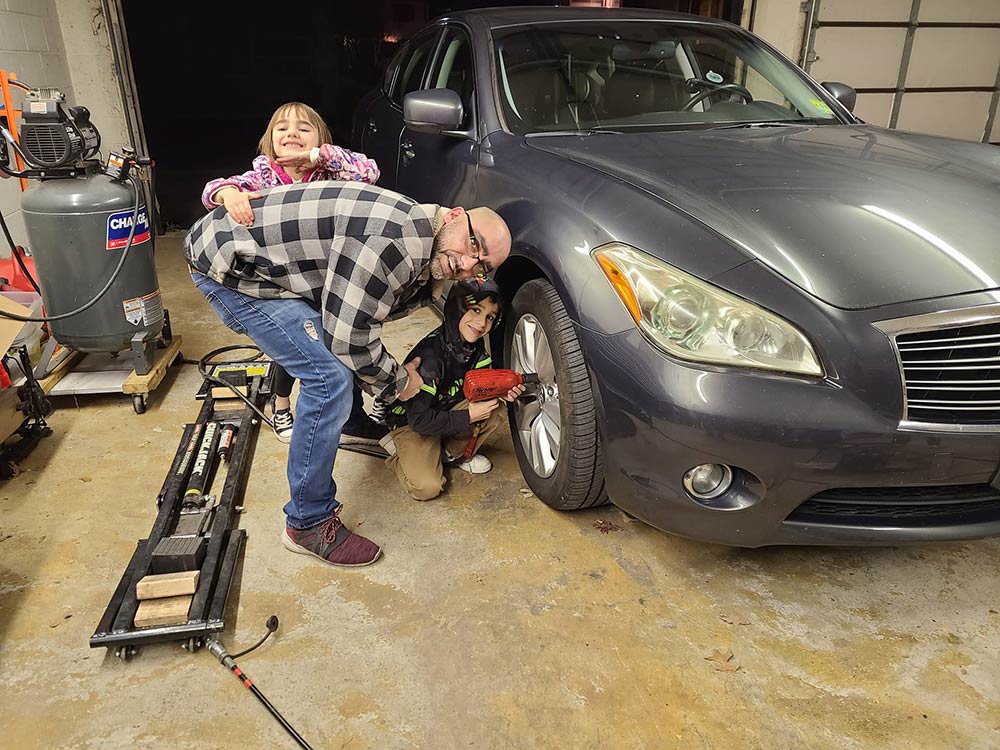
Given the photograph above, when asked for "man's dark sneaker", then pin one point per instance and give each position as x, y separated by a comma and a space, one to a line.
363, 431
333, 543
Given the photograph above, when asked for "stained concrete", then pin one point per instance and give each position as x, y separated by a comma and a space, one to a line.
491, 621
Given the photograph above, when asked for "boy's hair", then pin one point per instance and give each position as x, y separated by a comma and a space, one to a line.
471, 291
310, 115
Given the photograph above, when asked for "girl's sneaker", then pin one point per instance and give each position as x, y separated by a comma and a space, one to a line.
378, 411
283, 422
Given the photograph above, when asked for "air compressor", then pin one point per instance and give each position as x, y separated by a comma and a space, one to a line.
88, 230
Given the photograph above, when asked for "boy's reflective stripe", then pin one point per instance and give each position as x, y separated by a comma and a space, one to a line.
483, 363
431, 389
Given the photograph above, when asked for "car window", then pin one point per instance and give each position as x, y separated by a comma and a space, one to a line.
453, 69
620, 75
412, 67
390, 70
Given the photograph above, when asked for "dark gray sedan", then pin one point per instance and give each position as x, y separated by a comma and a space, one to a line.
756, 319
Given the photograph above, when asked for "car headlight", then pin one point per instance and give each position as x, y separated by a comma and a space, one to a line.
694, 320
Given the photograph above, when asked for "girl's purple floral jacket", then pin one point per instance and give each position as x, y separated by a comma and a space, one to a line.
332, 163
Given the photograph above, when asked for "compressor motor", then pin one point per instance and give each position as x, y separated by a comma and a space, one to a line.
88, 230
54, 136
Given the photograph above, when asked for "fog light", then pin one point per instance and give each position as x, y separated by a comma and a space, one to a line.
708, 480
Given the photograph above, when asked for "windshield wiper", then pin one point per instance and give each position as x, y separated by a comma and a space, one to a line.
592, 131
770, 124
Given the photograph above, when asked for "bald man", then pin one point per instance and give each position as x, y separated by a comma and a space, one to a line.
311, 282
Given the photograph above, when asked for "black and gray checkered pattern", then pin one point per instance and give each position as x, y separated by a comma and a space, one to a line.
358, 253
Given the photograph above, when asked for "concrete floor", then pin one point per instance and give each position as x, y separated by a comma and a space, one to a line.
491, 621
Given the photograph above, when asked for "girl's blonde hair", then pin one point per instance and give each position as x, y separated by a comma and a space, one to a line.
310, 115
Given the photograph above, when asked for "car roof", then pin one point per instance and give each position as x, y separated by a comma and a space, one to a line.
528, 14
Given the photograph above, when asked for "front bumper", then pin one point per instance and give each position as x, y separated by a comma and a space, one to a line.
793, 438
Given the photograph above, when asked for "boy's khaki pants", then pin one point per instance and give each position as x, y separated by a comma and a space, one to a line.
417, 462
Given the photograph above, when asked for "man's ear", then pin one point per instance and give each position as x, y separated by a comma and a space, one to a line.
455, 213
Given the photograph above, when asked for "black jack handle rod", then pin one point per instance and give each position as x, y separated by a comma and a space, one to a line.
219, 652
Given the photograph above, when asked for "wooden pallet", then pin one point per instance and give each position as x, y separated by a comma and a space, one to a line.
143, 384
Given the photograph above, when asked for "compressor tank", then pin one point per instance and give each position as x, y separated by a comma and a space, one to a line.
77, 229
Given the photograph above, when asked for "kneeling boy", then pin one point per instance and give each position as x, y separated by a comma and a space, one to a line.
433, 427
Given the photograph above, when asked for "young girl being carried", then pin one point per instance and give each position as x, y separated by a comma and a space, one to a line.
296, 148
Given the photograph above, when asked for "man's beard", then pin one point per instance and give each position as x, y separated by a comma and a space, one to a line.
439, 256
439, 266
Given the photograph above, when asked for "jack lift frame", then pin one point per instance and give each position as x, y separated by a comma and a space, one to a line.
225, 541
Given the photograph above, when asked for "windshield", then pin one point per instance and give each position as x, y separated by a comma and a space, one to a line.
645, 75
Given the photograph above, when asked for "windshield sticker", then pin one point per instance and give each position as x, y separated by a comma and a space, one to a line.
714, 77
821, 107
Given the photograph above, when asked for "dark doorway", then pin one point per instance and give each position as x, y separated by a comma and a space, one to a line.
209, 74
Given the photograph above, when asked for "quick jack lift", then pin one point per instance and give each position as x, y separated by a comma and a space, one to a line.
194, 531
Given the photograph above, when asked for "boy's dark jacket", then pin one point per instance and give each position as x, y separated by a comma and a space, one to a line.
445, 358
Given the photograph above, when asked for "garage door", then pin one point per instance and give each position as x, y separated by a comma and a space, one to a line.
931, 66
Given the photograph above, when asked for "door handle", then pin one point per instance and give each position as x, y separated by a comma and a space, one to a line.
407, 152
372, 127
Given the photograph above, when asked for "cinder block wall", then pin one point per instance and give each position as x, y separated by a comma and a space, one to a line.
31, 45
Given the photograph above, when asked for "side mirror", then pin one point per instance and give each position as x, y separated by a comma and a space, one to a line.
842, 93
433, 111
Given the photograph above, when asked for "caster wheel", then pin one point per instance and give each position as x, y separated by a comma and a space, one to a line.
179, 359
125, 653
191, 644
139, 403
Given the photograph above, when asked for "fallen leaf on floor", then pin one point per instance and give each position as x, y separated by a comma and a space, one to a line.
732, 621
723, 661
359, 523
86, 479
467, 479
605, 527
526, 492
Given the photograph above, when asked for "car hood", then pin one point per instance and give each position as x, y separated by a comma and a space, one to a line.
858, 216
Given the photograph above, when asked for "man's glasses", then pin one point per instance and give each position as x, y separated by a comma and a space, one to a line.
483, 269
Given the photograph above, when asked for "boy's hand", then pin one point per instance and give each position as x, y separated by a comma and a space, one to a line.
513, 394
413, 380
298, 159
480, 410
237, 204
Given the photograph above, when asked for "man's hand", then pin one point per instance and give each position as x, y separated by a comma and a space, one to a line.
237, 204
297, 160
480, 410
513, 393
413, 380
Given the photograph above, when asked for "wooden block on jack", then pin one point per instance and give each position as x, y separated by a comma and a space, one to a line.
170, 611
221, 392
167, 584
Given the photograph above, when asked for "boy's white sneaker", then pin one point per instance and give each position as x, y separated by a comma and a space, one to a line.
388, 445
478, 464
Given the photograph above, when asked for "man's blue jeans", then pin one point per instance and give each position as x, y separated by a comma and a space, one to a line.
290, 333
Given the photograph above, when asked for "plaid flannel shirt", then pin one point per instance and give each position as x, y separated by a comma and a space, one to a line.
360, 254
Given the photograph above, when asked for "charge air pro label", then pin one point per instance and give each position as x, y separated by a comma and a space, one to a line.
120, 224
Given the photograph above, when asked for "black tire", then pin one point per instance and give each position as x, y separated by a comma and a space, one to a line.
577, 481
139, 403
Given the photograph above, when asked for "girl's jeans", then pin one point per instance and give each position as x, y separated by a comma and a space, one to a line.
290, 333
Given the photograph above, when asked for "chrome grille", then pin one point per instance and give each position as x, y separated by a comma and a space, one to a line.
952, 375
